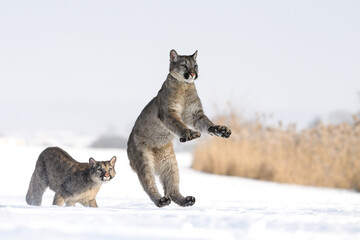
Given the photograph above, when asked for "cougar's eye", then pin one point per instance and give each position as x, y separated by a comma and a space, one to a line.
186, 67
99, 170
110, 169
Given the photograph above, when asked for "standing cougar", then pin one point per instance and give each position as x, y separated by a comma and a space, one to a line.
150, 148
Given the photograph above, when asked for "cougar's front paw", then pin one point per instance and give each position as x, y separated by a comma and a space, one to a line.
164, 201
220, 131
189, 135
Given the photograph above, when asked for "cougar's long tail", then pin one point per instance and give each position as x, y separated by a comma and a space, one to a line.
37, 186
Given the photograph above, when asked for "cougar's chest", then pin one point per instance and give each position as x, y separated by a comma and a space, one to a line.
179, 107
180, 103
88, 194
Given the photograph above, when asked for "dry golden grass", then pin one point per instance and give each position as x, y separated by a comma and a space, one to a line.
325, 155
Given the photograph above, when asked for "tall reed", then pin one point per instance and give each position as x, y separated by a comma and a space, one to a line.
324, 155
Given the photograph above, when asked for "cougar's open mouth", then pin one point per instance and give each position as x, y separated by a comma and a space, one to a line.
190, 77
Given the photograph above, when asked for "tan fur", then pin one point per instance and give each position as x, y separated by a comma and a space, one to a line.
84, 198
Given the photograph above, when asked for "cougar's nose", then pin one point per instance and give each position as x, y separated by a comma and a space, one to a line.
192, 74
107, 175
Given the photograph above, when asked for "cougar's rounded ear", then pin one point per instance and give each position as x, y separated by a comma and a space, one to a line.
173, 56
113, 161
92, 162
194, 55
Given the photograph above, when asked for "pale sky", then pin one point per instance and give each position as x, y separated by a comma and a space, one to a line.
83, 66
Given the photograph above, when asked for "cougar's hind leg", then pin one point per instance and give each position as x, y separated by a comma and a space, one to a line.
37, 187
143, 164
169, 176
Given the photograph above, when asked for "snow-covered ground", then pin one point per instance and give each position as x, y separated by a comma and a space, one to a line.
225, 208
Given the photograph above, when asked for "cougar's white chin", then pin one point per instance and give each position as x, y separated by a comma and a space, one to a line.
190, 80
180, 78
106, 179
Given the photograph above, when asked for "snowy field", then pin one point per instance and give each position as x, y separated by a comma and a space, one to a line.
225, 208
